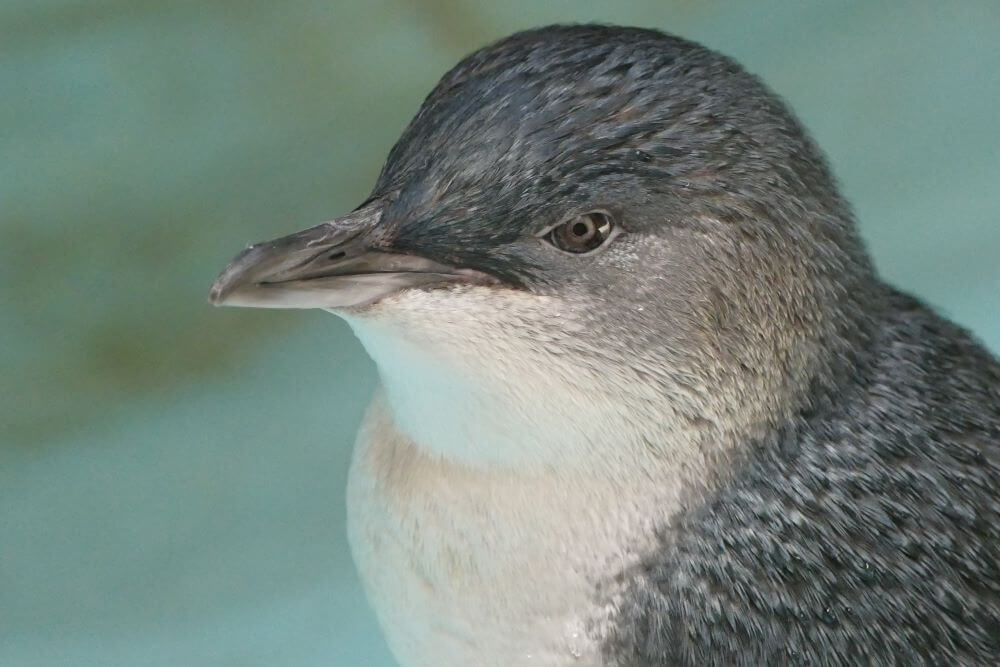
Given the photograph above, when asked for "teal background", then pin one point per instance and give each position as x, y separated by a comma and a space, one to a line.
172, 475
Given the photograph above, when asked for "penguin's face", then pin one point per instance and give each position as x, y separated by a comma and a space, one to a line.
618, 213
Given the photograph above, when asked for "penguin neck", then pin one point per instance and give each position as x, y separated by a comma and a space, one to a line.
520, 414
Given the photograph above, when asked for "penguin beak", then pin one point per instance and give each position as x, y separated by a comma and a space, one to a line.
333, 265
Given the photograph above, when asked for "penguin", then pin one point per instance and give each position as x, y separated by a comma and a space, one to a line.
644, 399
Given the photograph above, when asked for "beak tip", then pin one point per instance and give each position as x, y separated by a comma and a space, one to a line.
217, 294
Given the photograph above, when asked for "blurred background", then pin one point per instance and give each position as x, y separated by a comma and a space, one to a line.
172, 475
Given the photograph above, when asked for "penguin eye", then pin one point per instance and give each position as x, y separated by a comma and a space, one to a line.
581, 233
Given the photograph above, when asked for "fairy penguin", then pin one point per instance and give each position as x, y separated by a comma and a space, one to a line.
644, 399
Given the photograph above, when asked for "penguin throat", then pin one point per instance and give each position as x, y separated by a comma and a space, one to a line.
500, 410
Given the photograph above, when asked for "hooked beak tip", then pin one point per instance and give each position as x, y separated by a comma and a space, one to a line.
216, 295
222, 288
241, 272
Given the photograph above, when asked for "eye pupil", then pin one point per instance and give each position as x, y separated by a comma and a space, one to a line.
582, 233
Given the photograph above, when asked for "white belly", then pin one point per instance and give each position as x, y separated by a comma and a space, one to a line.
471, 567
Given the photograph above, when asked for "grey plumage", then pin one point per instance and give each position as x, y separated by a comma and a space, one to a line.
863, 530
850, 512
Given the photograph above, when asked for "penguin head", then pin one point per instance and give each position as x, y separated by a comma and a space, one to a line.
581, 217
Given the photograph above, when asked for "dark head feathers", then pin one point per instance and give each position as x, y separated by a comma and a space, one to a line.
523, 130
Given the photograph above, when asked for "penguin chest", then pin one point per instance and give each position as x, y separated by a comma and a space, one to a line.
465, 568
